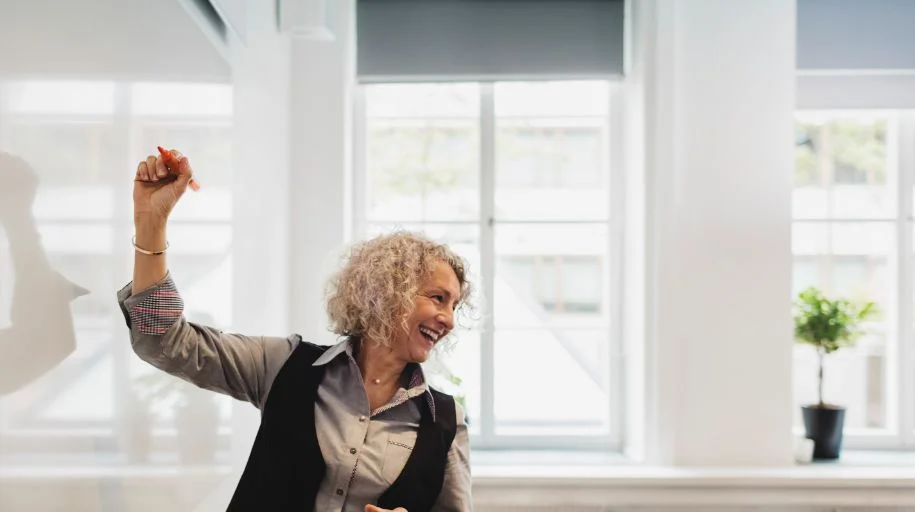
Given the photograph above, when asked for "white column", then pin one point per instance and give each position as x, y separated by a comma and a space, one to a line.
292, 86
717, 78
292, 82
261, 234
322, 78
261, 89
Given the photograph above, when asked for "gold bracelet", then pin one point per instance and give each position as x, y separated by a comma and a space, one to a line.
144, 251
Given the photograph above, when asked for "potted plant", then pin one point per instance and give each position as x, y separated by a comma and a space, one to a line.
828, 325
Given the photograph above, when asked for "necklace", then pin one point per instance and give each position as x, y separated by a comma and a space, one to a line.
377, 381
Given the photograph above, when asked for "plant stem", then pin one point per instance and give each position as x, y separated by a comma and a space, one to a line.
820, 354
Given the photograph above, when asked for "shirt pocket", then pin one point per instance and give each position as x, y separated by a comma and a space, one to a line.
396, 453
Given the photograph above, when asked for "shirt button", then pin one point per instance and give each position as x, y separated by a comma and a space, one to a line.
362, 419
339, 492
352, 451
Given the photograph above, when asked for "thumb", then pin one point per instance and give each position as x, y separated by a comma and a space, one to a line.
179, 164
372, 508
185, 175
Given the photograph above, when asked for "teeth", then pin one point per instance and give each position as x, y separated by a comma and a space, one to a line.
432, 334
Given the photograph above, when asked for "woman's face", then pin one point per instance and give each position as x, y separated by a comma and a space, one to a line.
432, 317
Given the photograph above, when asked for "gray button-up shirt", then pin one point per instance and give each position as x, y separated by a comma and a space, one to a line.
364, 450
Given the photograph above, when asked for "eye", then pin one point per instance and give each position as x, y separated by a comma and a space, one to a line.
439, 298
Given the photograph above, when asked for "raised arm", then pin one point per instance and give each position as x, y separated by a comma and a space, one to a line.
233, 364
237, 365
158, 185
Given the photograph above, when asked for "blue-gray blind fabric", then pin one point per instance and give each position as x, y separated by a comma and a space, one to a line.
855, 34
456, 40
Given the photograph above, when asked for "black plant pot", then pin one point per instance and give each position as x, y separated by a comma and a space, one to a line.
824, 426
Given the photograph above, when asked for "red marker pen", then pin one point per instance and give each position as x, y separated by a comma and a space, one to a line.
165, 154
170, 160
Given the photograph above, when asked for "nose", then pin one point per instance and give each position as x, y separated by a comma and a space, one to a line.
446, 318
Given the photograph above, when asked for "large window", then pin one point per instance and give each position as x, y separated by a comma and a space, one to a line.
852, 238
517, 178
81, 142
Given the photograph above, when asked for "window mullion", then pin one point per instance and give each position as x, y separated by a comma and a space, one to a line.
904, 161
122, 229
487, 260
613, 283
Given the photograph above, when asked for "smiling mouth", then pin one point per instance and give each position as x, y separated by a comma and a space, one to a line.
430, 335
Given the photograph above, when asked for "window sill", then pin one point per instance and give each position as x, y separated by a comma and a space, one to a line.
113, 471
858, 479
535, 480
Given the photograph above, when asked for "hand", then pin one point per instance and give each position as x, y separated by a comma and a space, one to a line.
159, 183
373, 508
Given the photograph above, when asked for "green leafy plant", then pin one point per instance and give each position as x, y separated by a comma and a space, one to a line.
828, 325
459, 396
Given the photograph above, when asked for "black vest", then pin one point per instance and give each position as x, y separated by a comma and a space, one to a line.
286, 467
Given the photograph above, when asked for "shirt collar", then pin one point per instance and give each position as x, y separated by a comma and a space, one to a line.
335, 350
417, 384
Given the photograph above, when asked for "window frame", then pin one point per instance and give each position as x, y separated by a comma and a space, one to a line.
899, 433
487, 438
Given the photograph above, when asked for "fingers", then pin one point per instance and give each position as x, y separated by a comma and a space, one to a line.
144, 172
151, 168
168, 164
161, 171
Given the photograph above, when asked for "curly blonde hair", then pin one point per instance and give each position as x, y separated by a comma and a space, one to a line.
372, 294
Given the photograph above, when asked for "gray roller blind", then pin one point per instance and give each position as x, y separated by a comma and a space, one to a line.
414, 40
855, 34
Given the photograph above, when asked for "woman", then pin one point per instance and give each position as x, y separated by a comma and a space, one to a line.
345, 427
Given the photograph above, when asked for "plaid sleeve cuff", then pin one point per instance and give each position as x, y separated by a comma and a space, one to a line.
158, 311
